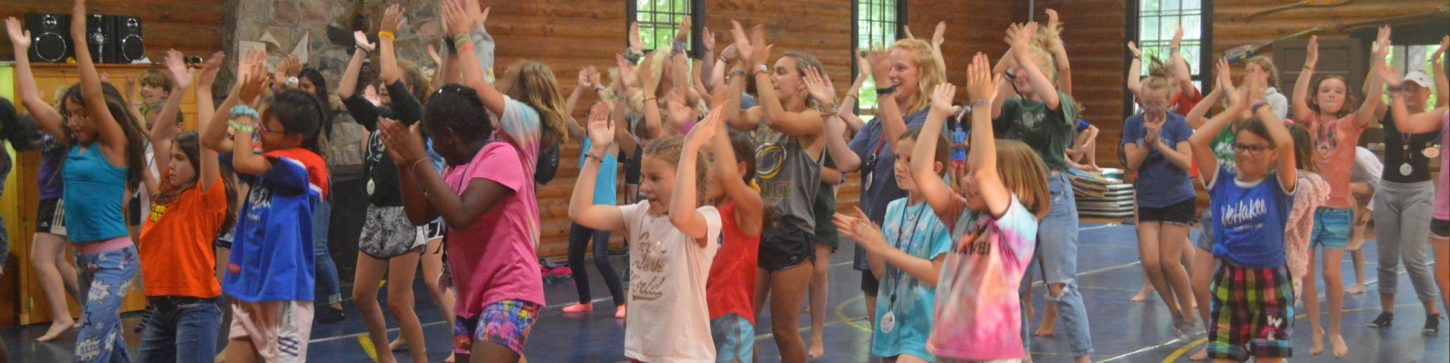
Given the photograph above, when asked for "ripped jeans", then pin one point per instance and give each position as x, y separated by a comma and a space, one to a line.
1057, 255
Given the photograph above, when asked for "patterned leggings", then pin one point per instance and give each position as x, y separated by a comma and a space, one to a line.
104, 280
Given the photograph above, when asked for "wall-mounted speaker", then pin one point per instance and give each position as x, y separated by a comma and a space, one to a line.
49, 37
129, 47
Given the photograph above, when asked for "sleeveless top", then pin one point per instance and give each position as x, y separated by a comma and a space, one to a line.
94, 190
788, 176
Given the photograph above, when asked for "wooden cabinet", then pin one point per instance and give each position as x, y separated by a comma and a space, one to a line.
18, 205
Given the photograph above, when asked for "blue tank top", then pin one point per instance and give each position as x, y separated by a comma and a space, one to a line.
93, 193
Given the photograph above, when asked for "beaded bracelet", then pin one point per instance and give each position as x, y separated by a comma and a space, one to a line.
244, 110
239, 127
386, 34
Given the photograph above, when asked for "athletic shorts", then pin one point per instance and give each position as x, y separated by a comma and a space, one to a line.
387, 233
734, 338
278, 329
784, 247
1440, 228
505, 323
224, 240
1178, 214
50, 217
869, 283
434, 230
1331, 228
1252, 311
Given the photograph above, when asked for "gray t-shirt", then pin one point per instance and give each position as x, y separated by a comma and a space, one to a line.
788, 176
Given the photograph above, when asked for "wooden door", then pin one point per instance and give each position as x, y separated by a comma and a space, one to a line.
1342, 57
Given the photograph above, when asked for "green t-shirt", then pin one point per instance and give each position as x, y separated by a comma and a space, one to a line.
1047, 131
1223, 146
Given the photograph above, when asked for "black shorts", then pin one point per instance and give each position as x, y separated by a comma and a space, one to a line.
434, 230
785, 246
869, 283
1180, 214
1440, 228
133, 211
224, 240
50, 217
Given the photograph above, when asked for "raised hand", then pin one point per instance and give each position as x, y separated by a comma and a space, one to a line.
1133, 48
287, 67
252, 77
678, 107
601, 128
939, 37
982, 85
707, 40
941, 98
21, 37
1019, 36
684, 32
210, 68
594, 77
704, 131
361, 39
433, 54
730, 53
757, 39
455, 17
1225, 80
392, 19
819, 86
583, 80
636, 44
1177, 36
477, 14
1390, 76
1052, 20
1382, 44
742, 42
1311, 51
1439, 57
626, 69
179, 72
880, 61
646, 75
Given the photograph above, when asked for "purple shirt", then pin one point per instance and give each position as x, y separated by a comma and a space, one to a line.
52, 155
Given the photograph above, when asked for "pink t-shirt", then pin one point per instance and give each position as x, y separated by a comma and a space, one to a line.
669, 319
1334, 142
1442, 194
494, 259
978, 313
1309, 193
520, 125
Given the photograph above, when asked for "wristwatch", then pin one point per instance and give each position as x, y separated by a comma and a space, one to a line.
762, 69
292, 82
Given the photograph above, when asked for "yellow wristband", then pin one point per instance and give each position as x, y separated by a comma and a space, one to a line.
386, 34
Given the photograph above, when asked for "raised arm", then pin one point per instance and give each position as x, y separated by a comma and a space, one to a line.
1180, 66
582, 209
458, 21
888, 111
1437, 61
805, 123
820, 88
748, 203
982, 159
924, 165
1021, 41
1059, 54
847, 110
347, 85
164, 130
251, 78
29, 93
1223, 84
112, 135
683, 204
1135, 68
387, 57
1301, 111
1372, 101
1202, 140
205, 105
737, 118
1278, 133
1417, 123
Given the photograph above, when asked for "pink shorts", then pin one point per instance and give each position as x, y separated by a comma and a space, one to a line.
277, 329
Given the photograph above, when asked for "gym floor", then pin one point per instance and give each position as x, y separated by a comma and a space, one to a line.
1109, 274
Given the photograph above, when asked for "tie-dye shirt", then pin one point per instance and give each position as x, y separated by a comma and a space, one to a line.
978, 314
915, 230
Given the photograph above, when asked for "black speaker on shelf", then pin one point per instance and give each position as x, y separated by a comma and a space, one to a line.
128, 44
49, 37
99, 38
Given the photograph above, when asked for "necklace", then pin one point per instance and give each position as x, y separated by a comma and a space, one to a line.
907, 227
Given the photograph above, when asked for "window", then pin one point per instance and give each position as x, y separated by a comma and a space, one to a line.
1157, 19
659, 20
878, 24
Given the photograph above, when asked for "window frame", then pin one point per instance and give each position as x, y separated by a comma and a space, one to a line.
900, 7
697, 24
1206, 54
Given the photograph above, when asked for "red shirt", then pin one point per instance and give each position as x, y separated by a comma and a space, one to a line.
1182, 103
731, 286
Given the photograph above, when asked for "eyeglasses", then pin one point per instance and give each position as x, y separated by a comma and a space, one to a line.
1250, 149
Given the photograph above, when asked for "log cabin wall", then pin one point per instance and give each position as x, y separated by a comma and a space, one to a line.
192, 26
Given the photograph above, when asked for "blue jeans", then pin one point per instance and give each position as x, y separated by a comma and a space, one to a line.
104, 279
326, 272
181, 332
1057, 255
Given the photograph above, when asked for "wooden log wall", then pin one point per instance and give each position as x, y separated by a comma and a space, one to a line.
192, 26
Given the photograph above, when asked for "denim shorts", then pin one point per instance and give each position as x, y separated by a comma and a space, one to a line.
1331, 228
1205, 235
734, 338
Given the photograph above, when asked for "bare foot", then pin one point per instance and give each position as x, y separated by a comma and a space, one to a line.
1143, 294
817, 348
398, 344
56, 329
1340, 349
1317, 347
1201, 355
449, 359
1049, 322
1355, 290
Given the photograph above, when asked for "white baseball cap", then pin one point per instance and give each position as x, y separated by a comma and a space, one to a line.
1419, 78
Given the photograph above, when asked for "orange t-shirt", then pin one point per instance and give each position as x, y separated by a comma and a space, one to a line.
176, 243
